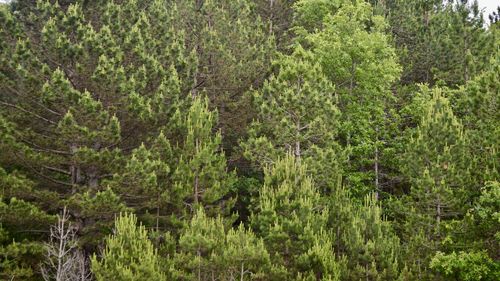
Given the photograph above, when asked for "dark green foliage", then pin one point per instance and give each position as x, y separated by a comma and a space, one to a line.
249, 140
23, 227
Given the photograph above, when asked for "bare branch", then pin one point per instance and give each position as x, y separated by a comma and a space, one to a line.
64, 261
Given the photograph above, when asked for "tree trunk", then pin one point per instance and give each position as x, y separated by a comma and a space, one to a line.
271, 15
297, 142
158, 213
242, 271
438, 214
196, 183
196, 179
377, 184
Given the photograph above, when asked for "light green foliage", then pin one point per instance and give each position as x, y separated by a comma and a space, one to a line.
435, 165
208, 251
256, 139
372, 250
356, 56
466, 266
297, 114
363, 238
201, 177
310, 14
291, 218
128, 255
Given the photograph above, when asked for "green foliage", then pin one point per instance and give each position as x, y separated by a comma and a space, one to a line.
207, 251
19, 259
435, 156
437, 169
291, 218
297, 114
364, 238
466, 266
356, 56
258, 140
201, 176
233, 49
99, 208
477, 105
22, 227
128, 255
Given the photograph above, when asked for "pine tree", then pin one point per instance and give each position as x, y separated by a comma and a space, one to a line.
370, 247
438, 40
208, 251
201, 177
297, 114
234, 50
462, 46
476, 105
22, 227
128, 255
439, 174
291, 218
84, 84
146, 181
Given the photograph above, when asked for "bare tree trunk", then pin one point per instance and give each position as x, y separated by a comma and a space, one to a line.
64, 261
297, 142
271, 15
242, 272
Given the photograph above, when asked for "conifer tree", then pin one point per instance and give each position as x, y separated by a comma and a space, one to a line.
438, 40
146, 182
297, 114
201, 177
439, 175
207, 251
234, 50
128, 255
371, 249
22, 227
21, 250
291, 218
476, 104
86, 83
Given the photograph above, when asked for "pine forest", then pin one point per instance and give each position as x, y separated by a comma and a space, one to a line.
238, 140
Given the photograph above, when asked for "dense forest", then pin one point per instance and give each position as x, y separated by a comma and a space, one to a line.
249, 140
